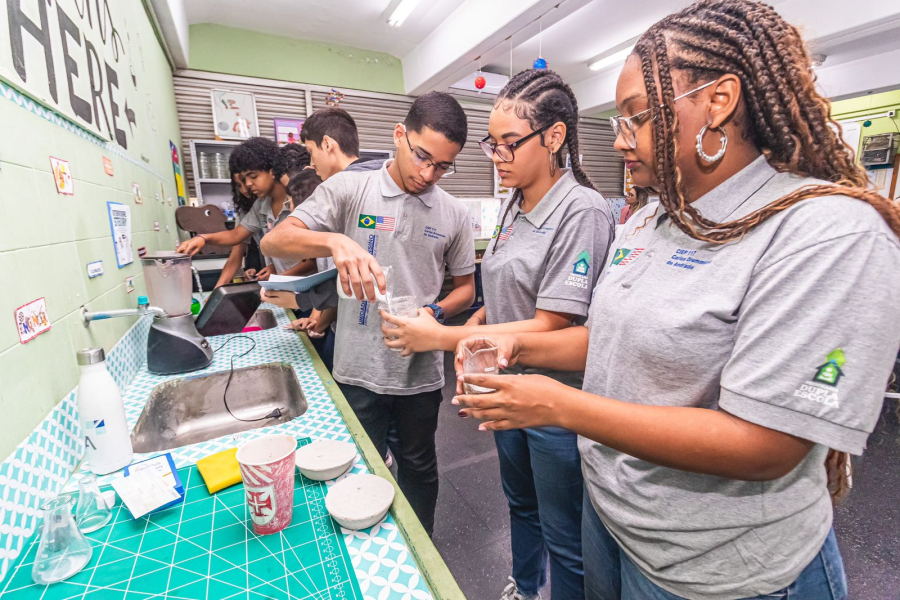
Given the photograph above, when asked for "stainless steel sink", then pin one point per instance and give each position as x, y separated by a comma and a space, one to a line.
192, 409
263, 318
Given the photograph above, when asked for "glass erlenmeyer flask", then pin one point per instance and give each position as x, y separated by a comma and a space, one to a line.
92, 513
63, 550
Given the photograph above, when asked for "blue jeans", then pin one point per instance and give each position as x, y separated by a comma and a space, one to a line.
541, 474
610, 575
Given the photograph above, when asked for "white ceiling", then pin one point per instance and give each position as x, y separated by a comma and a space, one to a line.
357, 23
445, 40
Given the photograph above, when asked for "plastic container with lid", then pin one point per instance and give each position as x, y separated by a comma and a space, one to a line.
101, 415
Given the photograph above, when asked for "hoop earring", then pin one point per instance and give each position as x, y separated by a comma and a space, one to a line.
552, 163
718, 155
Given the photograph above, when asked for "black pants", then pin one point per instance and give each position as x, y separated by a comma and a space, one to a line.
415, 419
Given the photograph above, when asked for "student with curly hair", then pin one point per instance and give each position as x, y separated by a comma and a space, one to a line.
747, 297
263, 168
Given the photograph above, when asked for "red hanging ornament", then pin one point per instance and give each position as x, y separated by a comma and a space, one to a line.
480, 82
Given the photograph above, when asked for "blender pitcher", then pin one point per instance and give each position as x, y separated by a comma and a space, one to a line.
168, 278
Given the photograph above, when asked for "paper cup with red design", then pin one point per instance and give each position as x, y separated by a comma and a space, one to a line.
267, 467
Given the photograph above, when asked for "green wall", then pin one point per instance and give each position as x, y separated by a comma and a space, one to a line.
47, 239
865, 105
221, 49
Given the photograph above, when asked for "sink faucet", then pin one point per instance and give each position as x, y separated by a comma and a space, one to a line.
197, 278
142, 309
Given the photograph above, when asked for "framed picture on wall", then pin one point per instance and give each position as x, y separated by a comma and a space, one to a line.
234, 115
287, 131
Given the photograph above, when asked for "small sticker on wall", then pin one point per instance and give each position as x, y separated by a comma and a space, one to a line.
95, 269
142, 251
170, 200
62, 176
167, 228
155, 225
136, 192
107, 166
32, 320
129, 284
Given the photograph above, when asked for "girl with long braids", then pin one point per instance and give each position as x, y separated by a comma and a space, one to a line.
538, 273
747, 292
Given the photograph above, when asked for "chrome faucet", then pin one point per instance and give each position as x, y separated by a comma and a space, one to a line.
142, 309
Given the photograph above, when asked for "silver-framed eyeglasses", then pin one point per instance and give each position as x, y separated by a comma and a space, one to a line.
423, 161
627, 126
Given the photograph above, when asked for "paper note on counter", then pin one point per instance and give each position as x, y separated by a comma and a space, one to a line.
144, 492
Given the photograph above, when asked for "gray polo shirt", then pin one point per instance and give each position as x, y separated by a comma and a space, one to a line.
548, 259
417, 236
260, 220
778, 329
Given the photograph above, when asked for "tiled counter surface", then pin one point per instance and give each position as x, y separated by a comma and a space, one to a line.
384, 563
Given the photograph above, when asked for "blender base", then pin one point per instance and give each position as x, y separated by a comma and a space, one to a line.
175, 346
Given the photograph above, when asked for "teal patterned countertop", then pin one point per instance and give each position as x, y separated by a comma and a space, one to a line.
393, 559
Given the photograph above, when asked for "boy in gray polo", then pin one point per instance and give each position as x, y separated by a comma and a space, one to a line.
395, 216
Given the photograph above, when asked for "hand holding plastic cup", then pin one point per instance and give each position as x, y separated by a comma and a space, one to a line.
400, 306
267, 467
388, 284
481, 357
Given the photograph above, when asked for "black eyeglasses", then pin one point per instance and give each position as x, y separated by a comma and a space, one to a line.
506, 152
422, 161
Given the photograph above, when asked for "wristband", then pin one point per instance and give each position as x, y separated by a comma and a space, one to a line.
200, 235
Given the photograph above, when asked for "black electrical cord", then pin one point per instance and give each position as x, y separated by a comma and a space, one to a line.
272, 415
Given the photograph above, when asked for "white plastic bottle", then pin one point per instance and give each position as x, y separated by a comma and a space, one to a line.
101, 415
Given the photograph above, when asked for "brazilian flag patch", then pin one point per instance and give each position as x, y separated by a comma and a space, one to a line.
367, 221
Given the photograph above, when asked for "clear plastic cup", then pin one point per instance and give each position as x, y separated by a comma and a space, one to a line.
481, 357
400, 306
267, 468
91, 513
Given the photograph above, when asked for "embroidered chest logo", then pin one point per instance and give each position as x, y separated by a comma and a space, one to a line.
686, 259
822, 387
433, 233
377, 223
580, 270
623, 256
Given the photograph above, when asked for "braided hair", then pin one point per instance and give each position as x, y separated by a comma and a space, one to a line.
785, 117
542, 98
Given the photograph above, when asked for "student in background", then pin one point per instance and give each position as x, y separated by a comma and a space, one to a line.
635, 200
243, 201
404, 220
331, 137
262, 165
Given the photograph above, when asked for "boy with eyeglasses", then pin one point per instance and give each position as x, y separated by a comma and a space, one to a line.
396, 216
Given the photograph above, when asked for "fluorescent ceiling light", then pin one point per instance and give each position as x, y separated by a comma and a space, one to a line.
611, 59
399, 14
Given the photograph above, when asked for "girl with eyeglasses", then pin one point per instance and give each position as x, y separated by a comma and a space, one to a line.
747, 297
538, 273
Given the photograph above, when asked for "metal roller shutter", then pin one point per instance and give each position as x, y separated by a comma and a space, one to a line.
603, 164
192, 99
376, 115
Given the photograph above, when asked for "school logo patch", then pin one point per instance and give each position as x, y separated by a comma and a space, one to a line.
830, 372
579, 276
822, 388
623, 256
583, 264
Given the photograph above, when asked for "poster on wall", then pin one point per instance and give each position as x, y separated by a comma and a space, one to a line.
287, 131
62, 175
179, 180
851, 131
79, 59
234, 115
120, 225
32, 320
